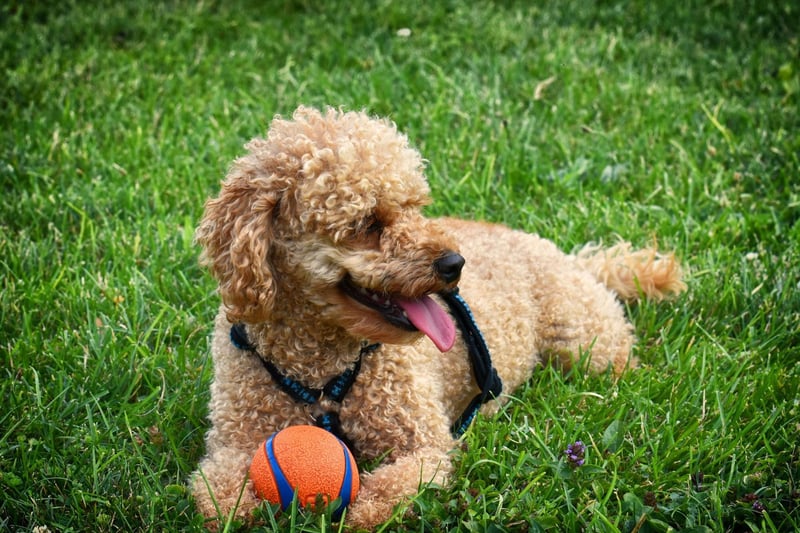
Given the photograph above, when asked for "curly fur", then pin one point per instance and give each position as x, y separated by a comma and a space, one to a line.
331, 198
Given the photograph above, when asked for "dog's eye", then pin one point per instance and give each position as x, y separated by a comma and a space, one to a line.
368, 233
372, 226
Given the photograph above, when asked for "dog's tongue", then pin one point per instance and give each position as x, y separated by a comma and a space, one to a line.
430, 319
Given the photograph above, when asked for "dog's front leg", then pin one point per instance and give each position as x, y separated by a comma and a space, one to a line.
391, 483
219, 487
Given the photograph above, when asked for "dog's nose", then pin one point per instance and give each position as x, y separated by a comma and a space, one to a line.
449, 266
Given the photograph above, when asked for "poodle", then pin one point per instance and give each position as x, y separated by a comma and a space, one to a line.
326, 267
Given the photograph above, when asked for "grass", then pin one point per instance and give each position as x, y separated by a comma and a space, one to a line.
579, 121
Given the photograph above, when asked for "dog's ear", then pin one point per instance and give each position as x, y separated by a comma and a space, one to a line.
236, 232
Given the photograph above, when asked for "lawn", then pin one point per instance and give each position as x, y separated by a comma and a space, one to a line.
579, 121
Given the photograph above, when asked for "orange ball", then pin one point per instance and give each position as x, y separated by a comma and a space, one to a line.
306, 459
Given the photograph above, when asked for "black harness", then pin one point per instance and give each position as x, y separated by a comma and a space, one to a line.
337, 388
485, 374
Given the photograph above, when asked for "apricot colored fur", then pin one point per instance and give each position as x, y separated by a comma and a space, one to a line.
331, 194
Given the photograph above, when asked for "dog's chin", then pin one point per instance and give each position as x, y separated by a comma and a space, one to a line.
382, 306
365, 323
392, 318
368, 316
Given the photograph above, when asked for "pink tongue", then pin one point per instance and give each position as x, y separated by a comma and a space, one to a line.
430, 318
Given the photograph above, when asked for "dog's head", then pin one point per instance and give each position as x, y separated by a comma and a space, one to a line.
325, 215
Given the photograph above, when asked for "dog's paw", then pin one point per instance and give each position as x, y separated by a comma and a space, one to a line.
368, 513
222, 491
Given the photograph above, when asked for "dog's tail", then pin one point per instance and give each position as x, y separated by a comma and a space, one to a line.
633, 274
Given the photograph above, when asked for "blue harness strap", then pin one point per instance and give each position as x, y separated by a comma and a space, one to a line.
336, 389
485, 374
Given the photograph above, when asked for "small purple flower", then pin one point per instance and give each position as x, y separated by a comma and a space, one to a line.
758, 507
575, 453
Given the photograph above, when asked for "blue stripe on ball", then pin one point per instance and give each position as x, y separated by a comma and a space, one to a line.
346, 492
285, 490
